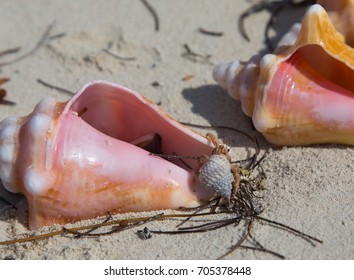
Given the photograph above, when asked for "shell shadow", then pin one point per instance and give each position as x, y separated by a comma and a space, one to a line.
12, 206
219, 109
286, 16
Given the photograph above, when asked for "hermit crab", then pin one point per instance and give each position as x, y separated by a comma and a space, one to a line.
218, 173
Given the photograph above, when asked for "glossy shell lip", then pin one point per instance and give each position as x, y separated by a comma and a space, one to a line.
122, 114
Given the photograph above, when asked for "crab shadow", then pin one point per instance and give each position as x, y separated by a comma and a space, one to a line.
213, 104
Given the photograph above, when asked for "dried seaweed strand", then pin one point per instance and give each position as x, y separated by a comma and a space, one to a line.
87, 227
79, 234
211, 33
6, 102
55, 87
258, 7
153, 13
3, 94
240, 241
123, 225
193, 56
192, 53
290, 229
40, 43
269, 25
275, 7
197, 210
174, 155
263, 250
272, 19
117, 56
201, 228
56, 36
10, 51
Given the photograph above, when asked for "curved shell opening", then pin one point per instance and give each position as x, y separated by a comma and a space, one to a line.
328, 67
125, 115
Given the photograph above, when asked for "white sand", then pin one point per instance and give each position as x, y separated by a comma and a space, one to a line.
308, 188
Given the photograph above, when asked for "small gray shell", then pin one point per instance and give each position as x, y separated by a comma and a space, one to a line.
215, 174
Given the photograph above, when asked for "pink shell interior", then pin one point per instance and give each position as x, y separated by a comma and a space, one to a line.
310, 90
122, 114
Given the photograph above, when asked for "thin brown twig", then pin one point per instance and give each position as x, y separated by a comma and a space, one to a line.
102, 224
195, 57
240, 241
7, 102
3, 94
41, 42
122, 225
211, 33
55, 87
153, 13
274, 7
117, 56
196, 210
57, 36
10, 51
79, 234
290, 229
263, 250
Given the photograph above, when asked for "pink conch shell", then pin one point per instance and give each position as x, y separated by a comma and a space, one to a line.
341, 13
302, 94
76, 160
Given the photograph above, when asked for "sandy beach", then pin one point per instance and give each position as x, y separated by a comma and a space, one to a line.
307, 188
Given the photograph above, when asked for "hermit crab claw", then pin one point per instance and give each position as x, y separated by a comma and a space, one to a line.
91, 155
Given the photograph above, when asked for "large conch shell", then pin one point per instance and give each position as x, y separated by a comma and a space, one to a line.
83, 158
302, 94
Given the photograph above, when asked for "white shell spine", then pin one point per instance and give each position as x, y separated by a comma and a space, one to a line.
38, 125
8, 130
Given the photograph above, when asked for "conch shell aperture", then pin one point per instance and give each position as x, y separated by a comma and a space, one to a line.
82, 158
301, 94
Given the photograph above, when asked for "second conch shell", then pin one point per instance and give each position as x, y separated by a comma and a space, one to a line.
301, 94
90, 155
